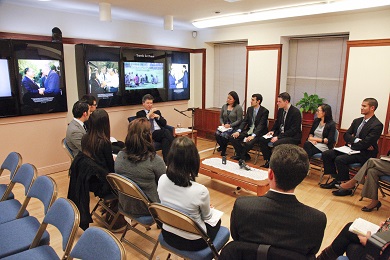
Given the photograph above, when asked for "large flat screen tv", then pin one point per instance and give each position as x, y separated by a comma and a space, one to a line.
5, 81
143, 75
178, 76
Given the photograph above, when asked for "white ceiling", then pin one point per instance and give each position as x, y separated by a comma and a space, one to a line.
153, 11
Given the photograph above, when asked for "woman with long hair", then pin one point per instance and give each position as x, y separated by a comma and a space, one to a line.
138, 162
230, 118
178, 189
322, 133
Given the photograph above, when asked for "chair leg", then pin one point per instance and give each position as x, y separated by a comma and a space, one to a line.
354, 189
215, 147
382, 192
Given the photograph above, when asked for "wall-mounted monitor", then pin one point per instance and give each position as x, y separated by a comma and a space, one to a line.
143, 75
178, 76
5, 80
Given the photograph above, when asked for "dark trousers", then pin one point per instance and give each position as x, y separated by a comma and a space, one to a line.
267, 151
310, 149
223, 143
346, 239
337, 163
181, 243
242, 148
165, 137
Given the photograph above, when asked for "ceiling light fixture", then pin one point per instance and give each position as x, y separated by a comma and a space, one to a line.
322, 7
105, 12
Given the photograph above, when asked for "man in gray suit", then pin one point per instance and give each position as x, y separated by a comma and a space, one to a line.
76, 128
278, 218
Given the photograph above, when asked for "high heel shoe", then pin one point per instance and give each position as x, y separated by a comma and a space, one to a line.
377, 206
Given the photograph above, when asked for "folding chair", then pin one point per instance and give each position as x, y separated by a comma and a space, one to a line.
353, 169
65, 216
179, 220
98, 244
12, 209
68, 151
17, 235
11, 163
126, 187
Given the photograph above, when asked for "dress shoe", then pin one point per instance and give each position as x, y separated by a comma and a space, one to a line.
265, 165
378, 205
235, 157
342, 192
243, 165
330, 185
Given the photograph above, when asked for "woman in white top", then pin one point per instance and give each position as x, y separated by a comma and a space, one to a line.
178, 189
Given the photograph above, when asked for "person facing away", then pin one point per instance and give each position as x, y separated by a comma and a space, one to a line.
157, 124
287, 128
177, 189
138, 162
230, 119
278, 218
76, 128
362, 136
254, 126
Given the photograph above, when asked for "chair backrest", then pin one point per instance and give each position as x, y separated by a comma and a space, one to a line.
125, 186
179, 220
98, 244
336, 137
68, 151
25, 175
44, 188
11, 163
65, 216
131, 118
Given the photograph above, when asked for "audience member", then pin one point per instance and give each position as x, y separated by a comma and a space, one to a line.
91, 100
158, 123
286, 129
362, 136
252, 128
178, 189
230, 118
351, 244
76, 128
139, 162
278, 218
322, 133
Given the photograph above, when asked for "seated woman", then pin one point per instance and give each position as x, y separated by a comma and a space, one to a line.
230, 117
178, 189
352, 244
138, 162
322, 133
96, 145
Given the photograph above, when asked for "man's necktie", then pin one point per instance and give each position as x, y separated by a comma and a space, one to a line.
360, 128
151, 120
250, 131
85, 128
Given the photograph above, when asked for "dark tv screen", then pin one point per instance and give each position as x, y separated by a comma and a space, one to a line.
5, 82
143, 75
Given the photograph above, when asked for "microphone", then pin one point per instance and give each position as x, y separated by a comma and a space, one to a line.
192, 108
177, 110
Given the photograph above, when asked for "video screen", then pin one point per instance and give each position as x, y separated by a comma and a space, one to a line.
143, 75
5, 82
178, 76
103, 79
40, 86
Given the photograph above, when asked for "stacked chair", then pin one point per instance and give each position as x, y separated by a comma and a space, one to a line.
11, 163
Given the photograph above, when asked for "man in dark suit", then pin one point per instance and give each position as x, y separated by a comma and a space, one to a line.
362, 135
76, 128
278, 218
28, 82
158, 123
52, 81
254, 125
286, 129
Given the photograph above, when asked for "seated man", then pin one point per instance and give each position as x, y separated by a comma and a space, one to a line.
287, 128
254, 125
278, 218
362, 135
76, 128
158, 123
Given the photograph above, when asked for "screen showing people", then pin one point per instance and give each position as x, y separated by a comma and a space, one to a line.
143, 75
103, 78
178, 76
5, 83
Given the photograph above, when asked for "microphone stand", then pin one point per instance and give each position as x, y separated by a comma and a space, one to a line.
192, 109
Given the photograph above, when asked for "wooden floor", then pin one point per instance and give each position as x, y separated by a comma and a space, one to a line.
339, 210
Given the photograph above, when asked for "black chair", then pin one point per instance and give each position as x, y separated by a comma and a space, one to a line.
157, 145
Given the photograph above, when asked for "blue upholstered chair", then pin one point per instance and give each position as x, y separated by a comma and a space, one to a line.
12, 209
17, 235
11, 163
179, 220
98, 244
68, 151
65, 216
125, 186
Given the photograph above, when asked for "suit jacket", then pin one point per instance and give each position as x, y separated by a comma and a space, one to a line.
30, 85
369, 135
292, 127
261, 121
328, 133
161, 121
74, 133
278, 220
52, 83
